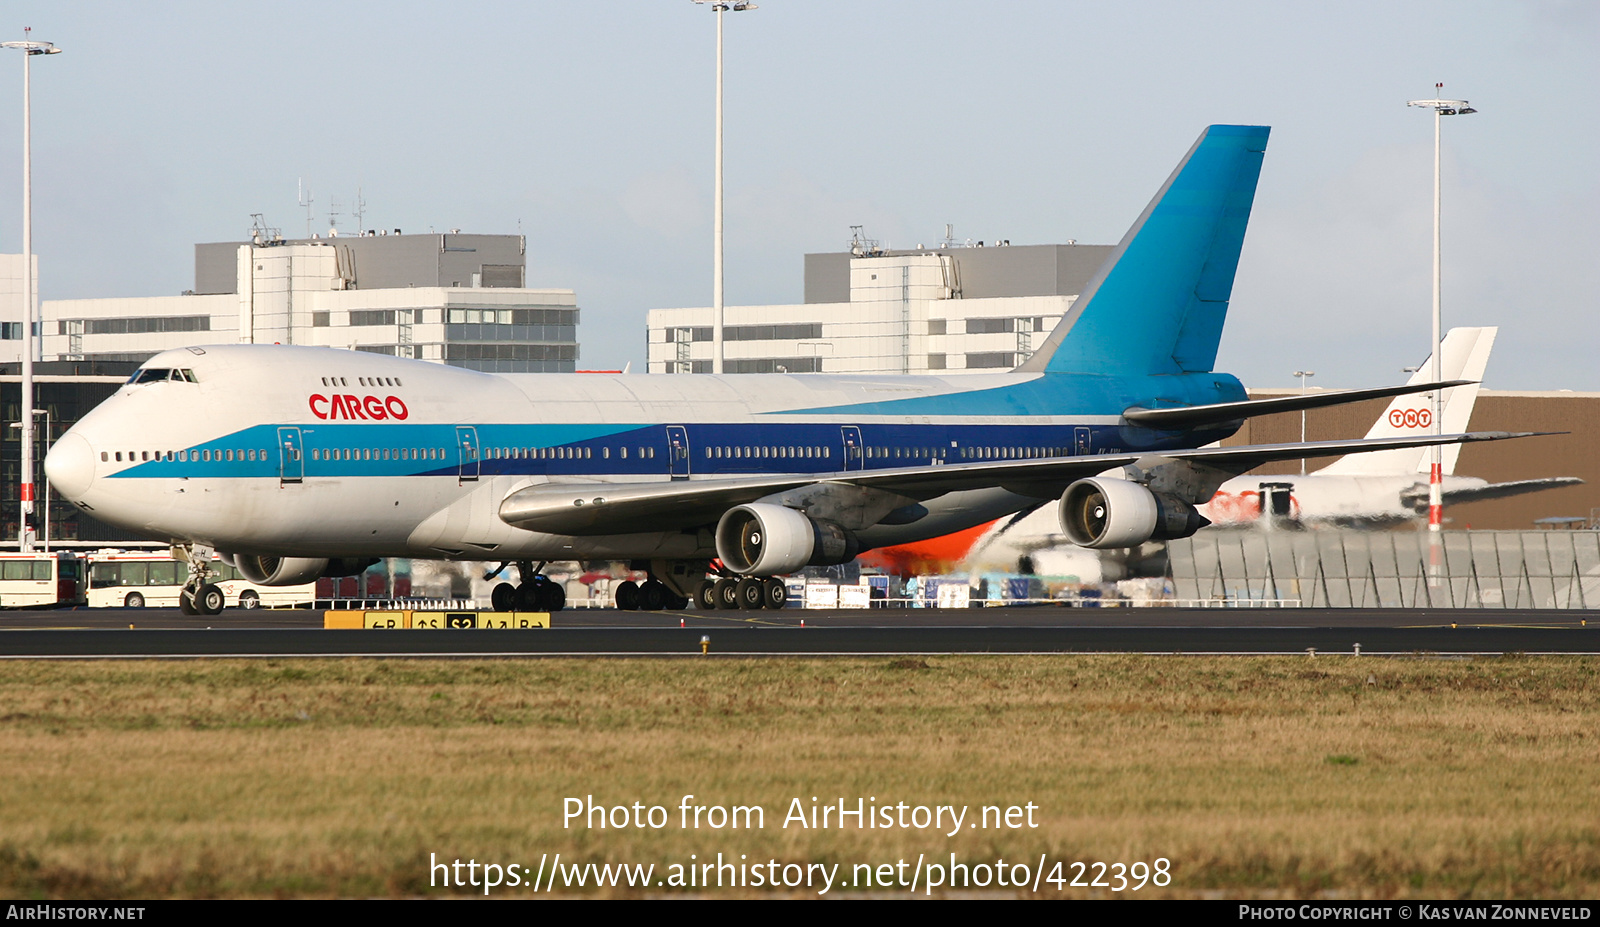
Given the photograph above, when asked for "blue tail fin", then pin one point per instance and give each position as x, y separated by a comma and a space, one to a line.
1157, 304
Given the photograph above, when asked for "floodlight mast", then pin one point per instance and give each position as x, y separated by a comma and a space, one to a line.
29, 48
721, 6
1441, 108
1303, 374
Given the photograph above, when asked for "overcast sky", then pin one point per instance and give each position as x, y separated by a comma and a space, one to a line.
588, 128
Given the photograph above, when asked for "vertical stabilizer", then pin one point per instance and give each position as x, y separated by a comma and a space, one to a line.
1156, 306
1466, 354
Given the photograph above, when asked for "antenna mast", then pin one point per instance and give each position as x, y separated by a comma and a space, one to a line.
303, 197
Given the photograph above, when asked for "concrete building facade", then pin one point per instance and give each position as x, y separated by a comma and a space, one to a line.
454, 299
11, 305
941, 310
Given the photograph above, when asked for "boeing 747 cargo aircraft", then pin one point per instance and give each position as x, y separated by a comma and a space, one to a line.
302, 462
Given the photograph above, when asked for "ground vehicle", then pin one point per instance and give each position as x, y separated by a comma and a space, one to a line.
152, 580
41, 578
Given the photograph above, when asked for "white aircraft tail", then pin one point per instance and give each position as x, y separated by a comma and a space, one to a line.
1466, 354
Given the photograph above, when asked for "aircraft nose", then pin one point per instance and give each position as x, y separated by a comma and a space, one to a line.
70, 466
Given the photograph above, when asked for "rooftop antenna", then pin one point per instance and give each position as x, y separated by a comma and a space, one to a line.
861, 245
360, 211
262, 234
333, 218
303, 197
949, 235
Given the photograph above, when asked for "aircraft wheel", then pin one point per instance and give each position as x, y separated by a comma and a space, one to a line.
751, 592
186, 601
652, 595
674, 602
555, 597
626, 596
705, 596
723, 592
776, 593
134, 600
209, 600
529, 598
504, 597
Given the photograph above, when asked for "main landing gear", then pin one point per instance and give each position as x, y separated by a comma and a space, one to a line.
535, 593
745, 592
675, 584
652, 595
198, 596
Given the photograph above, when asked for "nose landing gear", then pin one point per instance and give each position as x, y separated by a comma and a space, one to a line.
198, 597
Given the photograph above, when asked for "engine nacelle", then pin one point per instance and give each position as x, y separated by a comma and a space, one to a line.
279, 571
1104, 512
761, 539
292, 571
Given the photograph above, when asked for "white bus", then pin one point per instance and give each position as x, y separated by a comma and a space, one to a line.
152, 580
41, 579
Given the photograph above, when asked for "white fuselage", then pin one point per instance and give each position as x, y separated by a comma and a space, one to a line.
320, 453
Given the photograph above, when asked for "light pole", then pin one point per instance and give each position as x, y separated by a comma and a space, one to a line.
29, 452
1302, 374
1441, 108
721, 6
25, 484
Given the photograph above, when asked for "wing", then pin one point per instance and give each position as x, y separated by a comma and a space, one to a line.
594, 508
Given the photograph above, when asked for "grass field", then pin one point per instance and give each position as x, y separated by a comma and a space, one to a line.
1255, 777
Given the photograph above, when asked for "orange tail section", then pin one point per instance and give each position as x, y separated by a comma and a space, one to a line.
936, 555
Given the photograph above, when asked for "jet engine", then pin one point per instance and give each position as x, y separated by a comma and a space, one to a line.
292, 571
761, 539
1106, 512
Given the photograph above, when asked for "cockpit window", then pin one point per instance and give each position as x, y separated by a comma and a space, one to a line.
155, 374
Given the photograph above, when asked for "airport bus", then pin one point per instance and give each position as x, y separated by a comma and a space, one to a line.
41, 578
149, 579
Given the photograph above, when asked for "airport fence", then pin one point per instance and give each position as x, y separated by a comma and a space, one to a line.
424, 605
1349, 568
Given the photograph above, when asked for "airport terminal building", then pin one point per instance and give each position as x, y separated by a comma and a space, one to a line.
452, 298
954, 309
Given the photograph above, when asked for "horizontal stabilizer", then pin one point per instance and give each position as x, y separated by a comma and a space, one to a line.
1417, 498
1216, 413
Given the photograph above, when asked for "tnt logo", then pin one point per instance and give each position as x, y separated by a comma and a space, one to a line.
1411, 418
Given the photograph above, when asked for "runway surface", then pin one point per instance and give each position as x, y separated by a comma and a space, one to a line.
148, 633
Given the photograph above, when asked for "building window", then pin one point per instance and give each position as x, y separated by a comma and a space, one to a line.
991, 360
370, 317
176, 323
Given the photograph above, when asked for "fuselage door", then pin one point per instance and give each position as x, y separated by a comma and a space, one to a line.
291, 456
853, 455
678, 452
1080, 438
466, 453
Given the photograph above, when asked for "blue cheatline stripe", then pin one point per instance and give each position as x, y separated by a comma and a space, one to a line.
713, 448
